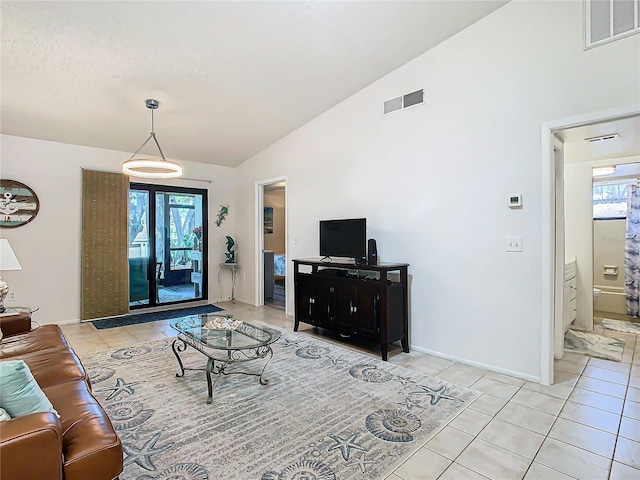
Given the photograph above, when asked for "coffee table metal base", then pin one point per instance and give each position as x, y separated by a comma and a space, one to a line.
218, 365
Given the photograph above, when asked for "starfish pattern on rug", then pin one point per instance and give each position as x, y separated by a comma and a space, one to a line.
345, 445
361, 463
120, 388
436, 395
411, 403
142, 456
336, 360
291, 343
403, 380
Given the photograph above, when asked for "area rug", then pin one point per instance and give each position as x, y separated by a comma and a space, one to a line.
593, 345
619, 326
327, 413
136, 318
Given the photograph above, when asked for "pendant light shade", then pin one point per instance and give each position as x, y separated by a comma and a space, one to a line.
152, 167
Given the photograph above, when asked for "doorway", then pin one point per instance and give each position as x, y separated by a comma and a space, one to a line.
555, 231
271, 251
167, 245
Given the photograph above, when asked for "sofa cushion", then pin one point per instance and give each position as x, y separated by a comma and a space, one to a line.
91, 446
20, 394
53, 366
42, 338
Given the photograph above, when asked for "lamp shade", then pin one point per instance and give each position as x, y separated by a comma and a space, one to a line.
8, 260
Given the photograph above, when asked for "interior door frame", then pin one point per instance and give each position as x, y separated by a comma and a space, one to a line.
259, 237
552, 295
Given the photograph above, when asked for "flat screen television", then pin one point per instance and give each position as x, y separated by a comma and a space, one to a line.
344, 238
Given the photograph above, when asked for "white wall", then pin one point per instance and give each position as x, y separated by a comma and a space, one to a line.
433, 180
49, 247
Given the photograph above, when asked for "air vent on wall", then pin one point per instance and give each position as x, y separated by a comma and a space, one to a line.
608, 20
602, 138
405, 101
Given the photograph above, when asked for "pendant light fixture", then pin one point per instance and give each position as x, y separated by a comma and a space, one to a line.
152, 167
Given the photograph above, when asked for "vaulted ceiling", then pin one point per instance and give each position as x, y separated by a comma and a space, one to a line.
231, 77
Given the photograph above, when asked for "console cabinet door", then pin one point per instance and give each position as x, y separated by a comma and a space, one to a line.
365, 315
312, 301
340, 306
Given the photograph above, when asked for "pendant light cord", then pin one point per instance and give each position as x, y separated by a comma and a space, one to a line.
152, 135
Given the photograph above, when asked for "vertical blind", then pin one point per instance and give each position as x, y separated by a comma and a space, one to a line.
105, 274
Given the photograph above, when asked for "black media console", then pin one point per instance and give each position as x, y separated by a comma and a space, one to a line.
354, 300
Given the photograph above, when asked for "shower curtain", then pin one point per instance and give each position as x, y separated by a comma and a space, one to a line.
632, 252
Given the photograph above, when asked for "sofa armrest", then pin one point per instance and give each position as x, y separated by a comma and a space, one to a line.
31, 447
14, 324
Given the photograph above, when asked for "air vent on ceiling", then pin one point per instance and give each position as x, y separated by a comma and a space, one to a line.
608, 20
602, 138
405, 101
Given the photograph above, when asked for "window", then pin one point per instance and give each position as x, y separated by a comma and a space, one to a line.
608, 20
610, 198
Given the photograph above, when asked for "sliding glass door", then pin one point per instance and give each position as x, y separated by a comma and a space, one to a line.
170, 265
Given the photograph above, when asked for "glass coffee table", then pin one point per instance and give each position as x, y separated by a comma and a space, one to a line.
224, 341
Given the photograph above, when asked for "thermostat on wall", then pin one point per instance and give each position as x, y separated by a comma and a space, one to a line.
515, 200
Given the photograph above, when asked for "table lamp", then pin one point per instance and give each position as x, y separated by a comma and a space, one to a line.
8, 261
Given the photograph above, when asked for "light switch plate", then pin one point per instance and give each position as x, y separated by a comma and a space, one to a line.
514, 244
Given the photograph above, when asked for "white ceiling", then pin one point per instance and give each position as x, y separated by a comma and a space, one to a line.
626, 145
231, 77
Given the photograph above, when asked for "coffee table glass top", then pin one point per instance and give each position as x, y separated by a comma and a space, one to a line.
223, 332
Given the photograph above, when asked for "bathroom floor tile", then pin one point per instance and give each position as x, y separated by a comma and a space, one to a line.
539, 401
458, 472
488, 404
606, 375
627, 452
492, 461
596, 400
576, 358
458, 377
631, 410
423, 465
569, 366
620, 471
449, 443
518, 382
582, 436
537, 471
633, 394
558, 390
512, 437
609, 365
630, 428
495, 388
470, 421
600, 386
573, 461
591, 417
526, 417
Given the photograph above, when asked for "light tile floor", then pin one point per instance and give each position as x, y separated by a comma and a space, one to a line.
585, 426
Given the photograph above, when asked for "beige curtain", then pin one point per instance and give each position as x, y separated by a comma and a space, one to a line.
105, 268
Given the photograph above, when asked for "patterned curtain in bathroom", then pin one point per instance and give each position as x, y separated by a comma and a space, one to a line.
632, 252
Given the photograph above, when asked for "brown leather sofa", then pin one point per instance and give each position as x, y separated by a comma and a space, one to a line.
80, 445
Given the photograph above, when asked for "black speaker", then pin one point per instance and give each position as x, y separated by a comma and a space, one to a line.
372, 252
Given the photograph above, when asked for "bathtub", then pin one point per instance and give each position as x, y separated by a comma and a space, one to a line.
611, 300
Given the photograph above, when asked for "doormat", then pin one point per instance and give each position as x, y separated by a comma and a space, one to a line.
593, 345
619, 326
136, 318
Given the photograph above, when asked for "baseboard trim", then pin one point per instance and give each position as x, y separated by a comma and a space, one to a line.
505, 371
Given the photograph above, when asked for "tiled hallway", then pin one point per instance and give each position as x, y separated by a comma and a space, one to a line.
586, 426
